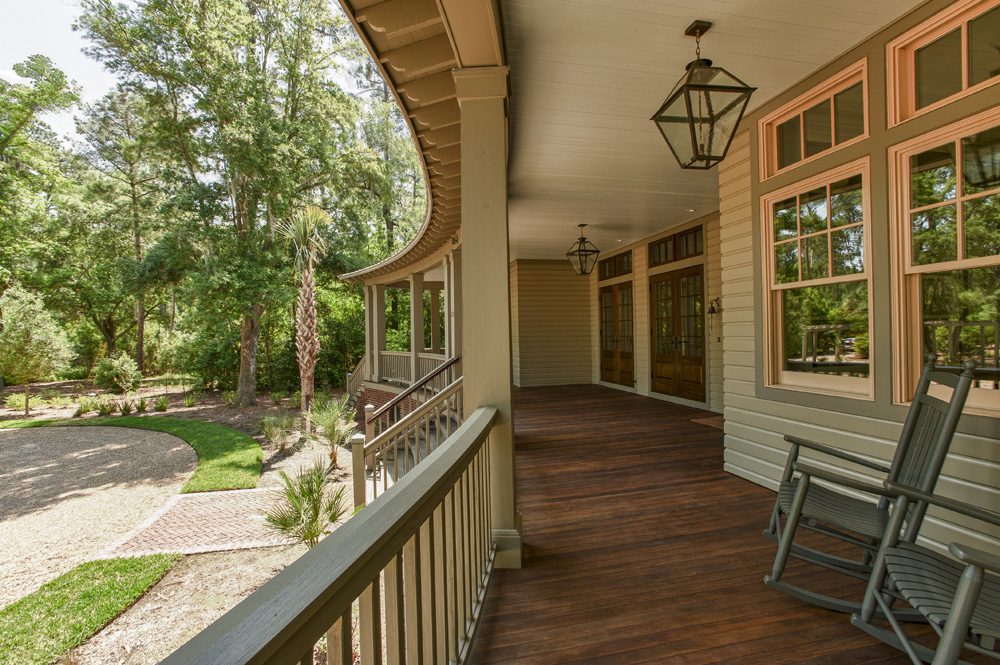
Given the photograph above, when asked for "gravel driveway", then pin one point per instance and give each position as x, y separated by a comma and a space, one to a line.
67, 492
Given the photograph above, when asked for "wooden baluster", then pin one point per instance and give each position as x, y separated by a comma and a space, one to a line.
461, 608
440, 587
395, 642
339, 649
358, 468
428, 587
467, 550
412, 601
370, 624
451, 575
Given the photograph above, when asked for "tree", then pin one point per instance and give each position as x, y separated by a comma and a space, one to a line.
32, 346
303, 232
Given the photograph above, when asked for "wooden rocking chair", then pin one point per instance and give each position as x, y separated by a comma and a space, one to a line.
959, 598
920, 453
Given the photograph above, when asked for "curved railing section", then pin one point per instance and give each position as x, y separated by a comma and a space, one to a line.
354, 379
413, 566
381, 419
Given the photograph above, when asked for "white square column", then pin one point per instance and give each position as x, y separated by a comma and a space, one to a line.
416, 323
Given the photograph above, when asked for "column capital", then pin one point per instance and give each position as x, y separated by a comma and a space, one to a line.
478, 83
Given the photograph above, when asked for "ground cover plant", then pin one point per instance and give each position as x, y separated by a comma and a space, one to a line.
44, 625
227, 459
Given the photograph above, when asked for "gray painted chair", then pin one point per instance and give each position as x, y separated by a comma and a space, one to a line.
959, 597
920, 453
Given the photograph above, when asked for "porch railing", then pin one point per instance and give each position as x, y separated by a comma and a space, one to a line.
423, 390
395, 366
382, 460
414, 565
353, 383
428, 362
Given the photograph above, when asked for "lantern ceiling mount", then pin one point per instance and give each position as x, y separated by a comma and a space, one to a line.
700, 115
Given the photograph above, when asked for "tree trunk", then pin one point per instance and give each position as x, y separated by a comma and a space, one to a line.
140, 328
307, 343
27, 396
246, 390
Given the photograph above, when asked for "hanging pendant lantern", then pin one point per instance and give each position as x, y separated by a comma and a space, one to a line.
583, 254
700, 115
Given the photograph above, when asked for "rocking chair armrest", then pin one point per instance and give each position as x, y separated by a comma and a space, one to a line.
981, 514
975, 556
816, 472
834, 452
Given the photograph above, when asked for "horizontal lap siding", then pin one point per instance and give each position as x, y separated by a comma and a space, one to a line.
551, 320
515, 351
755, 427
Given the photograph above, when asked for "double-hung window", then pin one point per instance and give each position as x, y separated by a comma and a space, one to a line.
817, 296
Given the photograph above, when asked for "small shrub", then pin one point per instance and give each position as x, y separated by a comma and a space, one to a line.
229, 397
125, 407
278, 395
276, 430
73, 374
192, 398
306, 506
79, 412
105, 408
14, 401
48, 395
297, 399
161, 404
141, 405
120, 374
88, 404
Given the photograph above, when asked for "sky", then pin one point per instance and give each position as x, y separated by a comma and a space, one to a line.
46, 27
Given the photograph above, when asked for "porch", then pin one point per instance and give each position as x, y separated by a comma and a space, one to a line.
639, 547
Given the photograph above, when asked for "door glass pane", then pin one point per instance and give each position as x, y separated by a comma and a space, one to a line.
819, 132
982, 228
607, 320
812, 211
981, 161
932, 176
789, 142
815, 257
849, 113
961, 320
786, 223
786, 262
848, 251
663, 298
984, 51
939, 69
625, 318
825, 329
691, 317
845, 202
933, 235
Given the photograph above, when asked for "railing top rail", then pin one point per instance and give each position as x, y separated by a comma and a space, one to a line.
282, 620
431, 356
398, 354
415, 415
413, 388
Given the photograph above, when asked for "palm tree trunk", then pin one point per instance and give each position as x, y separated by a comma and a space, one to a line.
307, 342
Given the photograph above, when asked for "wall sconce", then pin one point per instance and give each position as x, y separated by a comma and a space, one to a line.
715, 306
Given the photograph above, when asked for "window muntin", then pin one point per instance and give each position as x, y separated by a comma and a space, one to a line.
947, 229
951, 54
827, 117
817, 332
677, 247
615, 266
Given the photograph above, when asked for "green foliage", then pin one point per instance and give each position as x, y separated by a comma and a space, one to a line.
336, 421
191, 398
32, 346
16, 400
44, 625
120, 374
141, 405
307, 505
126, 406
105, 408
276, 430
161, 404
278, 395
229, 397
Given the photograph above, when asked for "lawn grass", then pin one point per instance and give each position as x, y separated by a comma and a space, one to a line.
63, 613
227, 459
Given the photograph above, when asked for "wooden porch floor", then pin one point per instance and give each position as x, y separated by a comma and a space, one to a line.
639, 548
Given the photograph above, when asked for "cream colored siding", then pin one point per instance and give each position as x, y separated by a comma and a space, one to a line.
713, 323
755, 427
515, 350
550, 315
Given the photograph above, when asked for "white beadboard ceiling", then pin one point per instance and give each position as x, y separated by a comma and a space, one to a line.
587, 74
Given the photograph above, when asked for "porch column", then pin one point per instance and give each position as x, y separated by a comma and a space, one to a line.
416, 322
367, 371
482, 93
378, 323
435, 320
448, 296
455, 304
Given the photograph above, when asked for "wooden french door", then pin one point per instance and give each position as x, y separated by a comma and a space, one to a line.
677, 304
617, 352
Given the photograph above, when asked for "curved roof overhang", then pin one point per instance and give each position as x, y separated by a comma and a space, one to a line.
416, 45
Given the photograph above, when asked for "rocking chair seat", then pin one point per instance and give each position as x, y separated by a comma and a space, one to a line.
927, 581
847, 512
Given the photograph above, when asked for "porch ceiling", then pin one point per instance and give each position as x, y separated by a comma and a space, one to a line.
587, 74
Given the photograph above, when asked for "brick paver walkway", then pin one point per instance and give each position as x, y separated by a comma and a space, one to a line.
204, 522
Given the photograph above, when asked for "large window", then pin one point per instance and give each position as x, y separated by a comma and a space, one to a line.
829, 116
954, 53
947, 225
817, 303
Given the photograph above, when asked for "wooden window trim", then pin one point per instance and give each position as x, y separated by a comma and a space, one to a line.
675, 236
905, 310
611, 261
901, 51
768, 125
774, 376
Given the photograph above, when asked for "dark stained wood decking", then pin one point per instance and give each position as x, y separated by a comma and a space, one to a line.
639, 548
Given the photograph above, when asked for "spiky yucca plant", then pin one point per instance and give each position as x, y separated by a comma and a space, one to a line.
306, 507
303, 232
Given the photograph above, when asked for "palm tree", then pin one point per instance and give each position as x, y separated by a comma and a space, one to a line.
303, 232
